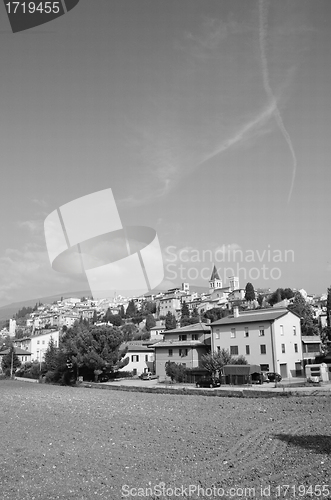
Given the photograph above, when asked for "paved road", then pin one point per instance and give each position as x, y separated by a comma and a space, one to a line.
285, 385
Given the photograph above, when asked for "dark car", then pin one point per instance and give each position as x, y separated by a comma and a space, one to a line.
208, 382
272, 377
103, 378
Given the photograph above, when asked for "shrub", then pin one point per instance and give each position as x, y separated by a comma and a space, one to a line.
31, 370
176, 371
124, 374
50, 377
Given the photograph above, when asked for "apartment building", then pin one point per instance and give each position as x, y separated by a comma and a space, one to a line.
270, 338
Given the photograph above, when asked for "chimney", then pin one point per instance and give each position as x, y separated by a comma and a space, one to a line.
235, 311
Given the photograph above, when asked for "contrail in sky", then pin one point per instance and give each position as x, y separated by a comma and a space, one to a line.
266, 82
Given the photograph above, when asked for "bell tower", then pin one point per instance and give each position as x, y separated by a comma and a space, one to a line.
215, 282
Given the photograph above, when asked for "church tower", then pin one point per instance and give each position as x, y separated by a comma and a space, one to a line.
215, 282
233, 283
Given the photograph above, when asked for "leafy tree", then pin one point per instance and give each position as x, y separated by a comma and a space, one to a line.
138, 318
176, 371
305, 311
195, 318
170, 321
114, 319
51, 356
260, 299
148, 307
6, 343
142, 335
185, 310
214, 361
249, 292
328, 308
185, 315
195, 313
122, 312
131, 310
95, 317
96, 347
150, 322
128, 330
239, 360
326, 335
216, 314
23, 312
10, 361
279, 295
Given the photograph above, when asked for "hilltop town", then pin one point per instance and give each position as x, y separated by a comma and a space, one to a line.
181, 326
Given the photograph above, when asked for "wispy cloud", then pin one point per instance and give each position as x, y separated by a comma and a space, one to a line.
244, 132
33, 226
263, 27
213, 33
27, 273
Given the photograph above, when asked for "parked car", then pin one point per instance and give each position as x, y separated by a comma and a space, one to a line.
103, 378
147, 376
208, 382
272, 377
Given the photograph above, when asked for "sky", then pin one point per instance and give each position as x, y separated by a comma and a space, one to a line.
209, 120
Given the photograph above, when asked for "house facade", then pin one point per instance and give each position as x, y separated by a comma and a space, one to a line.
270, 338
311, 348
140, 356
23, 355
182, 345
37, 345
157, 332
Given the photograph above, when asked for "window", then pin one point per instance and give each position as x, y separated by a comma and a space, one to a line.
283, 348
195, 336
234, 350
261, 333
146, 357
182, 337
38, 341
246, 331
281, 329
218, 336
263, 349
219, 348
295, 347
135, 358
233, 333
247, 349
294, 330
43, 342
170, 352
264, 368
182, 352
313, 348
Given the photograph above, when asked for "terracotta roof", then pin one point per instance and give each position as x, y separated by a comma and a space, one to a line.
315, 339
249, 317
18, 351
196, 327
179, 343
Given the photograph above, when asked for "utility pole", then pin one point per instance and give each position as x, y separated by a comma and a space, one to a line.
12, 363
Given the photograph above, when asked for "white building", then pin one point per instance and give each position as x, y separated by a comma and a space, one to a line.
141, 357
270, 338
37, 345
